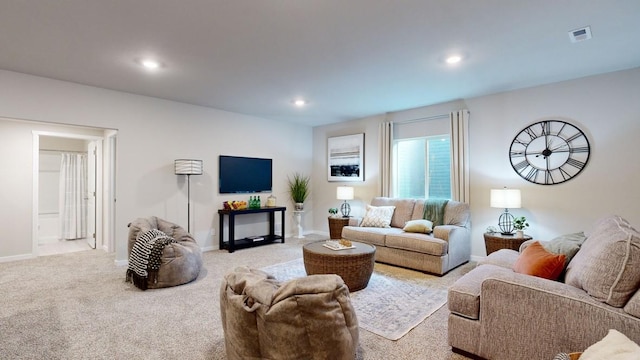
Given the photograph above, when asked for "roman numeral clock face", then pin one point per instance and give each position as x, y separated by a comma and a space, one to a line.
549, 152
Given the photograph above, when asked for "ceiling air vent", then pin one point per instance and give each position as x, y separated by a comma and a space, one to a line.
581, 34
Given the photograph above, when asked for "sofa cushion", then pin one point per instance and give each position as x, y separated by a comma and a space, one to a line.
378, 216
369, 235
464, 294
632, 307
607, 266
504, 258
418, 226
402, 212
417, 242
537, 261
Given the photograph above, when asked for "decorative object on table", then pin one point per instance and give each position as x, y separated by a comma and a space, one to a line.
520, 223
299, 189
333, 211
345, 193
337, 245
549, 152
255, 202
188, 167
345, 158
271, 201
234, 205
491, 230
345, 242
505, 199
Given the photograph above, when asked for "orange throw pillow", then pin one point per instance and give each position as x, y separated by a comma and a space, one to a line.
537, 261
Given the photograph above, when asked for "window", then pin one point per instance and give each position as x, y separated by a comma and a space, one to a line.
422, 167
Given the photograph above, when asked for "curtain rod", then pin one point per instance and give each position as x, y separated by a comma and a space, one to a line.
434, 117
64, 151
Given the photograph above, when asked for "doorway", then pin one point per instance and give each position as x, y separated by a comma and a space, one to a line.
68, 192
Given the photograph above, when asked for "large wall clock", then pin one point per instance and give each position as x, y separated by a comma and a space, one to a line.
549, 152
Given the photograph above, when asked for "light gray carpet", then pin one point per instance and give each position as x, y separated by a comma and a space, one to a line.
78, 306
388, 307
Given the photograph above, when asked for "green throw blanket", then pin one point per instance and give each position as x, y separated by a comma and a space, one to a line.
434, 211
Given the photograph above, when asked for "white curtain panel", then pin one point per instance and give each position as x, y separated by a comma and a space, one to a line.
460, 155
73, 203
386, 143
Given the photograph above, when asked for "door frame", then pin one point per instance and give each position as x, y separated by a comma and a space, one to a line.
103, 219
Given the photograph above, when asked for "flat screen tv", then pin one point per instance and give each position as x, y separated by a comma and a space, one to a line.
244, 174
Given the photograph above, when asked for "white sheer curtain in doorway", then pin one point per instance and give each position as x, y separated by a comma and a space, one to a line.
73, 191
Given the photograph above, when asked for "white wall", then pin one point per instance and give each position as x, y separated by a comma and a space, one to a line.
605, 107
152, 133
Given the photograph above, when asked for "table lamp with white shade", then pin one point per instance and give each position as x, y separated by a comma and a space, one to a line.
505, 199
345, 193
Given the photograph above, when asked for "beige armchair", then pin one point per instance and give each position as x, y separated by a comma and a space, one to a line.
306, 318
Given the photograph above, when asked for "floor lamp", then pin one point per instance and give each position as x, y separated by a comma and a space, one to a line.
188, 167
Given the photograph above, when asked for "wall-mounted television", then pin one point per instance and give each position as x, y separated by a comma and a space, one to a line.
237, 174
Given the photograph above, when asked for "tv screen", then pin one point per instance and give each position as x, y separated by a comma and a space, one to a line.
244, 174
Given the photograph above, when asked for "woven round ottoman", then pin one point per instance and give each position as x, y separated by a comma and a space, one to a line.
354, 266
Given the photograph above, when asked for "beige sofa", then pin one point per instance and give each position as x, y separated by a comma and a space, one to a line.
497, 313
448, 246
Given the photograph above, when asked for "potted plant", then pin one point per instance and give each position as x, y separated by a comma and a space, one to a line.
333, 212
299, 189
520, 223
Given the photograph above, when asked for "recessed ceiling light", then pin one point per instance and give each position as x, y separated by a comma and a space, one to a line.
299, 102
453, 59
150, 64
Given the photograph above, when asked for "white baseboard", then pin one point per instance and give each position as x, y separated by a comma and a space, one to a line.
17, 257
121, 262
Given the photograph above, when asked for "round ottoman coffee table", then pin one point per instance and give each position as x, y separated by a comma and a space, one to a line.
353, 265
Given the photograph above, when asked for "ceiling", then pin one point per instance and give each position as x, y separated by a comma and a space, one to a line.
349, 58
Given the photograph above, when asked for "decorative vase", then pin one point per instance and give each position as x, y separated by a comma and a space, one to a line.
519, 234
299, 206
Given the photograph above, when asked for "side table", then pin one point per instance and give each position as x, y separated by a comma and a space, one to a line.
335, 226
496, 241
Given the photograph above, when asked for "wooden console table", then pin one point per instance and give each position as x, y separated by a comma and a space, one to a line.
233, 244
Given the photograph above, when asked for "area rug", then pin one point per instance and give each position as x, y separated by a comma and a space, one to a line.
387, 307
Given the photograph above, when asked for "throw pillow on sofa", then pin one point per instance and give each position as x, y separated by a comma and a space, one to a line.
568, 244
606, 267
378, 216
418, 226
537, 261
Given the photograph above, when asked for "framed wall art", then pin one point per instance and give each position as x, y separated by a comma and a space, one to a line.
345, 158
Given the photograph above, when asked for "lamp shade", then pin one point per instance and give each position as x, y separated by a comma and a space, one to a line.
188, 167
505, 198
344, 193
